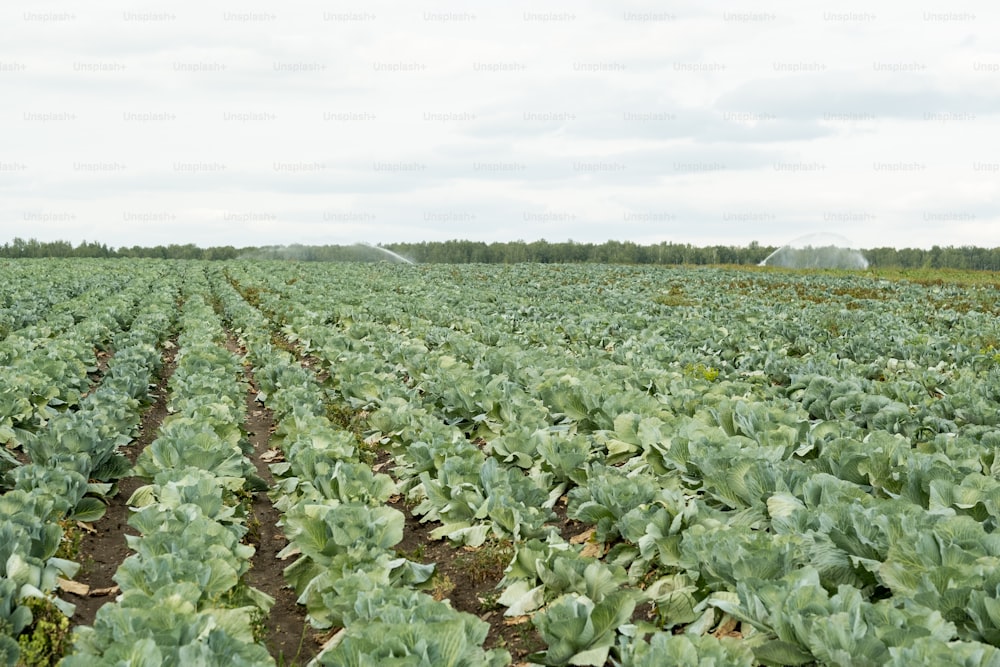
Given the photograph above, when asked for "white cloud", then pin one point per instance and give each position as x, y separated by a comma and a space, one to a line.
316, 123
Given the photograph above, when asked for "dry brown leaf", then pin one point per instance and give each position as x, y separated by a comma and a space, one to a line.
86, 527
101, 592
727, 628
74, 587
516, 620
272, 455
591, 549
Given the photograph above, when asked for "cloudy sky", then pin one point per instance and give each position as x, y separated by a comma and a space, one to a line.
255, 123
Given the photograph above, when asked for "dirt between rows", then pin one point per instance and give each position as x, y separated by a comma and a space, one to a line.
469, 577
289, 637
102, 547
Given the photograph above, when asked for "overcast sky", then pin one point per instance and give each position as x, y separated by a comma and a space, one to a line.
724, 122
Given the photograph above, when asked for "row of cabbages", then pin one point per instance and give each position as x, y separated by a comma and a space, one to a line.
74, 447
782, 497
44, 366
343, 533
581, 607
32, 291
184, 600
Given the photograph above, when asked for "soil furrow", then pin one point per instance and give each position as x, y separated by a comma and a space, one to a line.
289, 638
102, 549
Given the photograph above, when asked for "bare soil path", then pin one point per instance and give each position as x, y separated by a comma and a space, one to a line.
290, 639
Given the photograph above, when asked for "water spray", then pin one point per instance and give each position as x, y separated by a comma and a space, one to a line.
387, 252
817, 251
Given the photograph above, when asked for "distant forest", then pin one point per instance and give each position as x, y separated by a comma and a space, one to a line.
461, 252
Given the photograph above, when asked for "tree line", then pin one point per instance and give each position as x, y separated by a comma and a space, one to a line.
542, 251
32, 248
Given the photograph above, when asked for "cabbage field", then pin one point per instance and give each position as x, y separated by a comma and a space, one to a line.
486, 465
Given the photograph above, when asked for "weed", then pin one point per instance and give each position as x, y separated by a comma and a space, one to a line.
701, 372
258, 624
47, 639
253, 528
488, 562
417, 555
442, 588
244, 499
282, 343
86, 565
251, 294
69, 546
490, 601
675, 297
346, 418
